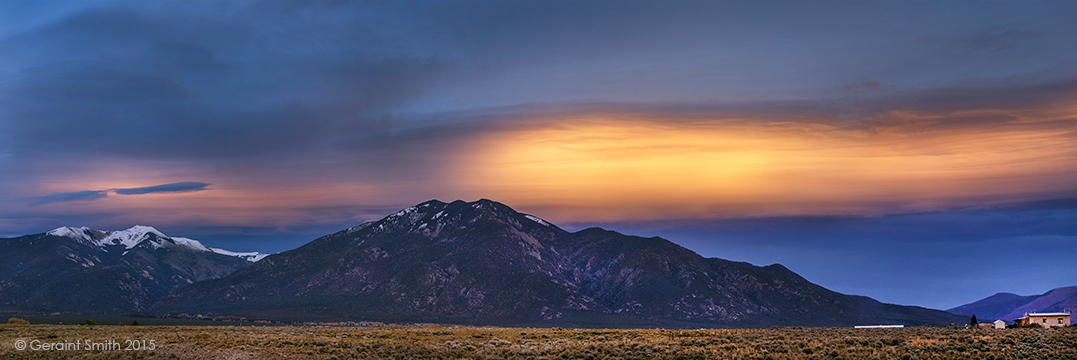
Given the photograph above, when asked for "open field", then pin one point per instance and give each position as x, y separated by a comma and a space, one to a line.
329, 342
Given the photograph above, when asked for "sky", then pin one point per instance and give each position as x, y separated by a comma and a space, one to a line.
918, 152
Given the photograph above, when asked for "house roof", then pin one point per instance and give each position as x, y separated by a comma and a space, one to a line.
1048, 314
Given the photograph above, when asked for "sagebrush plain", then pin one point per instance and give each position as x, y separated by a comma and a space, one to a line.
343, 342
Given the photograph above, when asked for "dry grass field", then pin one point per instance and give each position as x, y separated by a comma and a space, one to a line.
331, 342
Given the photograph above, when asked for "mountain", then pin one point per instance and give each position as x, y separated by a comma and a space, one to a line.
484, 263
1008, 306
82, 270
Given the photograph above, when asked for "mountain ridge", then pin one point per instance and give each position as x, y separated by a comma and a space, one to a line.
484, 263
1008, 306
83, 270
137, 234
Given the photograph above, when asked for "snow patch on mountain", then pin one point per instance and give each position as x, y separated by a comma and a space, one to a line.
139, 234
535, 219
252, 256
406, 211
79, 233
359, 227
191, 243
131, 237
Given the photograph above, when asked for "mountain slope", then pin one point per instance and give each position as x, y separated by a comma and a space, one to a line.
484, 263
1008, 306
82, 270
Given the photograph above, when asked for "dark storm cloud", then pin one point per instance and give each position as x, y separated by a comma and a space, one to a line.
247, 80
938, 108
70, 196
180, 187
1013, 96
729, 52
147, 84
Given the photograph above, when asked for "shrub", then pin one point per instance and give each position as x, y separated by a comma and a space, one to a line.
17, 321
90, 322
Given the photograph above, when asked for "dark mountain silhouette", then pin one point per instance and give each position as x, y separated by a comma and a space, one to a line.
82, 270
1007, 306
484, 263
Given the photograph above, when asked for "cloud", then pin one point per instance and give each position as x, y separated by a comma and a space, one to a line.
86, 195
180, 187
411, 97
902, 152
131, 78
70, 196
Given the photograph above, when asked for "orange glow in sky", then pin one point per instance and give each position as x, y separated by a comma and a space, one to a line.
603, 170
618, 167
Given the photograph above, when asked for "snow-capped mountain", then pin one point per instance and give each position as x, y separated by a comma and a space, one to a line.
84, 270
140, 234
484, 263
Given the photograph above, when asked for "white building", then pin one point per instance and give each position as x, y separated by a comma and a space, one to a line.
1045, 319
999, 324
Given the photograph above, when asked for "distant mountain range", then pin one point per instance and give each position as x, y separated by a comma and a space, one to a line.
82, 270
1007, 306
484, 263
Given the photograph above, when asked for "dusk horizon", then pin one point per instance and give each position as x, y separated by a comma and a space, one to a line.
696, 234
918, 153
